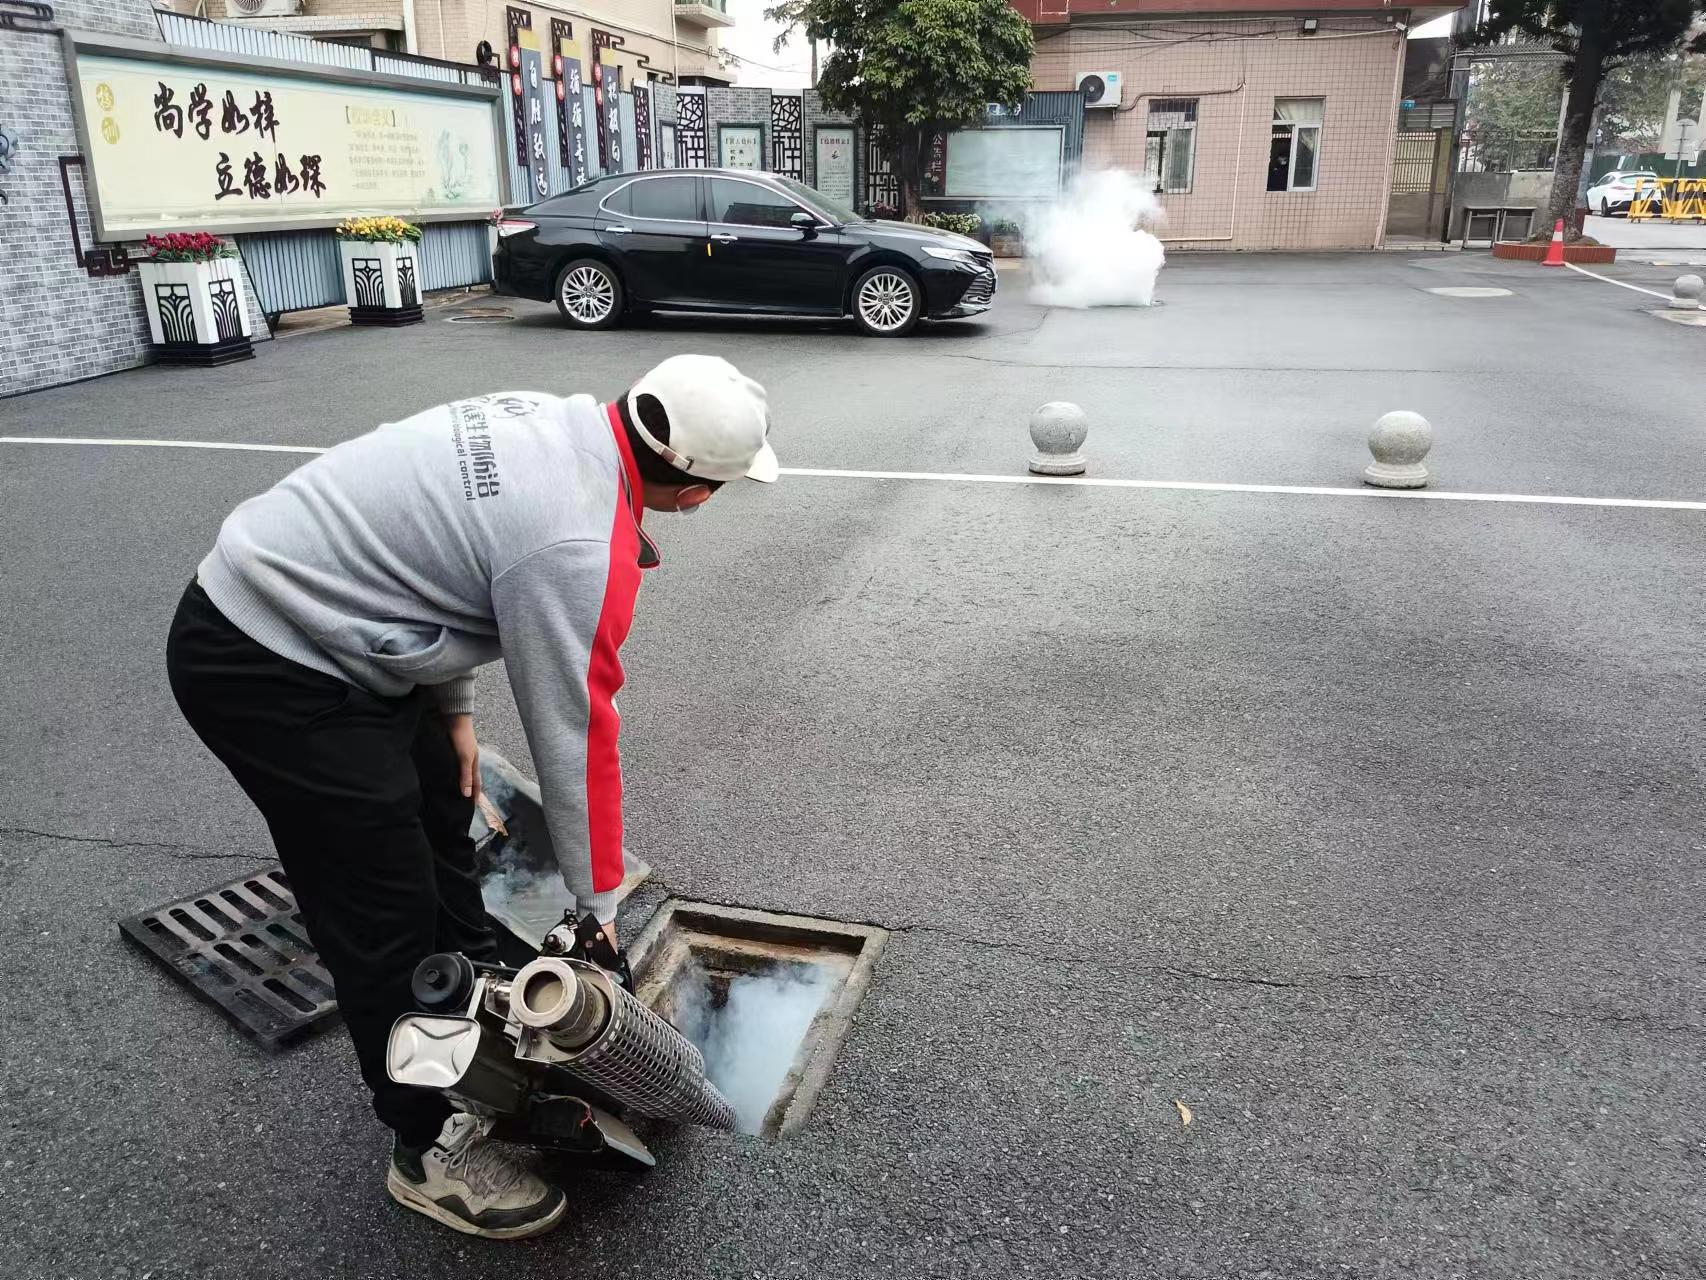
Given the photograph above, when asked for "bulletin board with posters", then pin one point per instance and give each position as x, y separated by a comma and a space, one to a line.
740, 146
835, 162
181, 140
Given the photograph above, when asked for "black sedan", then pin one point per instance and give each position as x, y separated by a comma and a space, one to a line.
720, 240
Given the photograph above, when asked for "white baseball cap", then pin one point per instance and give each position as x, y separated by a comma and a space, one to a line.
718, 419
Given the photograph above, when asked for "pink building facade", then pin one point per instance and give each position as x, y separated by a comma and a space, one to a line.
1258, 129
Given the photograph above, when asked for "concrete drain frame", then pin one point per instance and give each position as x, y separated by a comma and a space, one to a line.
687, 941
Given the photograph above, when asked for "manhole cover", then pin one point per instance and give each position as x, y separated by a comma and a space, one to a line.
481, 315
767, 998
1471, 291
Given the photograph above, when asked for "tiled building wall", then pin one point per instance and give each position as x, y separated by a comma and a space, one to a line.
1235, 71
643, 26
220, 9
57, 323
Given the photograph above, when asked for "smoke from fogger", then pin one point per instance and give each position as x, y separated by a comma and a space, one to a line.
1091, 249
751, 1041
520, 885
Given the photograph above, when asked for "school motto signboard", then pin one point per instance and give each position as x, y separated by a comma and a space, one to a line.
178, 139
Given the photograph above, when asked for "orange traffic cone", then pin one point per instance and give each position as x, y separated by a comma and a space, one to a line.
1555, 251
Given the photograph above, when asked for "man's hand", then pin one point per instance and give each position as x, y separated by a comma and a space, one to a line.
461, 730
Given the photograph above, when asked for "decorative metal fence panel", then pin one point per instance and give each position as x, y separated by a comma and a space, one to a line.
690, 131
787, 143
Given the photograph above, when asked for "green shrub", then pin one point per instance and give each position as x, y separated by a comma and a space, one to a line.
965, 224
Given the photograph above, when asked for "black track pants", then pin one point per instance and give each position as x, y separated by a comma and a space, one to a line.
362, 796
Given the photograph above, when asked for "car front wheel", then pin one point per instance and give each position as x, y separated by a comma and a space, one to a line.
589, 295
887, 302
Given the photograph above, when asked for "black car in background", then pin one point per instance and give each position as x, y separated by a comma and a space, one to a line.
732, 241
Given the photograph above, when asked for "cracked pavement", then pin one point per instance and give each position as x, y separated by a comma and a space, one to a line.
1370, 832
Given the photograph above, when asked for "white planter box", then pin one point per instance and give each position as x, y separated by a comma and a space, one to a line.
381, 282
197, 311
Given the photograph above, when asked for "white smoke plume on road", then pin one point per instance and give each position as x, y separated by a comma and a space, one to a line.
750, 1042
1092, 247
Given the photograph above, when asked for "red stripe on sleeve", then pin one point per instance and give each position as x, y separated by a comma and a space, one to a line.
603, 679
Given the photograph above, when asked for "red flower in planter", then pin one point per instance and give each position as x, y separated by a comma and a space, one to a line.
186, 246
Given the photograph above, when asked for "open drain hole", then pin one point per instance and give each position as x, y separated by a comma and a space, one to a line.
767, 998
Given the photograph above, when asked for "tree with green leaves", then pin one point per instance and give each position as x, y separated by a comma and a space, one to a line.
910, 69
1633, 99
1594, 36
1511, 117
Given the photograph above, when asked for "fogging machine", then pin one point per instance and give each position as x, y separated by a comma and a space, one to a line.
555, 1052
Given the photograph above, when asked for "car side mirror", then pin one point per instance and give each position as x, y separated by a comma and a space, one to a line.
804, 223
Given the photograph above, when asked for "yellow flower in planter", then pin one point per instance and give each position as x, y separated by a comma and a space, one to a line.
381, 230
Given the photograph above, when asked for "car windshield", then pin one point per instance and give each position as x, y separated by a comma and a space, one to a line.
837, 211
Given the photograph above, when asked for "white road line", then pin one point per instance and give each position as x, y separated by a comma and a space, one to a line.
1661, 504
1621, 284
956, 477
162, 444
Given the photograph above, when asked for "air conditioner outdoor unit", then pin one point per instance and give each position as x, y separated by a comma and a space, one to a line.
1100, 88
265, 8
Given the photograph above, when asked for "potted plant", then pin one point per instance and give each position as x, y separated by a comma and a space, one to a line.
381, 282
1006, 239
192, 291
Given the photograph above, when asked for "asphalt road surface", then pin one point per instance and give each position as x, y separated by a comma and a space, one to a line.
1642, 235
1370, 830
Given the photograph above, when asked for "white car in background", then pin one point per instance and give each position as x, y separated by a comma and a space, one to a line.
1614, 191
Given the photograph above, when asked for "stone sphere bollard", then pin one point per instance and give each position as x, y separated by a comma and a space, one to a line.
1058, 429
1399, 442
1686, 292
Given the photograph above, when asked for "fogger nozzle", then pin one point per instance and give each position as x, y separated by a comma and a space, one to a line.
549, 997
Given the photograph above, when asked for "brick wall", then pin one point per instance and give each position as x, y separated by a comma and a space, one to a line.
812, 113
1235, 70
57, 323
735, 106
664, 108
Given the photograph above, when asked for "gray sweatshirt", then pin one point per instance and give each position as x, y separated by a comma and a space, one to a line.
493, 527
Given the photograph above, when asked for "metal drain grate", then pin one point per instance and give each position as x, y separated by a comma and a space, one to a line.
242, 948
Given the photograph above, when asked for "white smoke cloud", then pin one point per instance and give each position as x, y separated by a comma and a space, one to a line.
529, 901
521, 885
1092, 247
751, 1041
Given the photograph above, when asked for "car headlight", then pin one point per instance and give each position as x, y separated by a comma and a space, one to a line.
952, 255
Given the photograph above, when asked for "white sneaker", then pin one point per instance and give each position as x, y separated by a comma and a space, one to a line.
467, 1181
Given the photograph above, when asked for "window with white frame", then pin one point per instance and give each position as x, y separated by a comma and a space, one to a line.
1170, 155
1294, 156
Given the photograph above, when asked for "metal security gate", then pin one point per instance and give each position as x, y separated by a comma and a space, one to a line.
1420, 171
